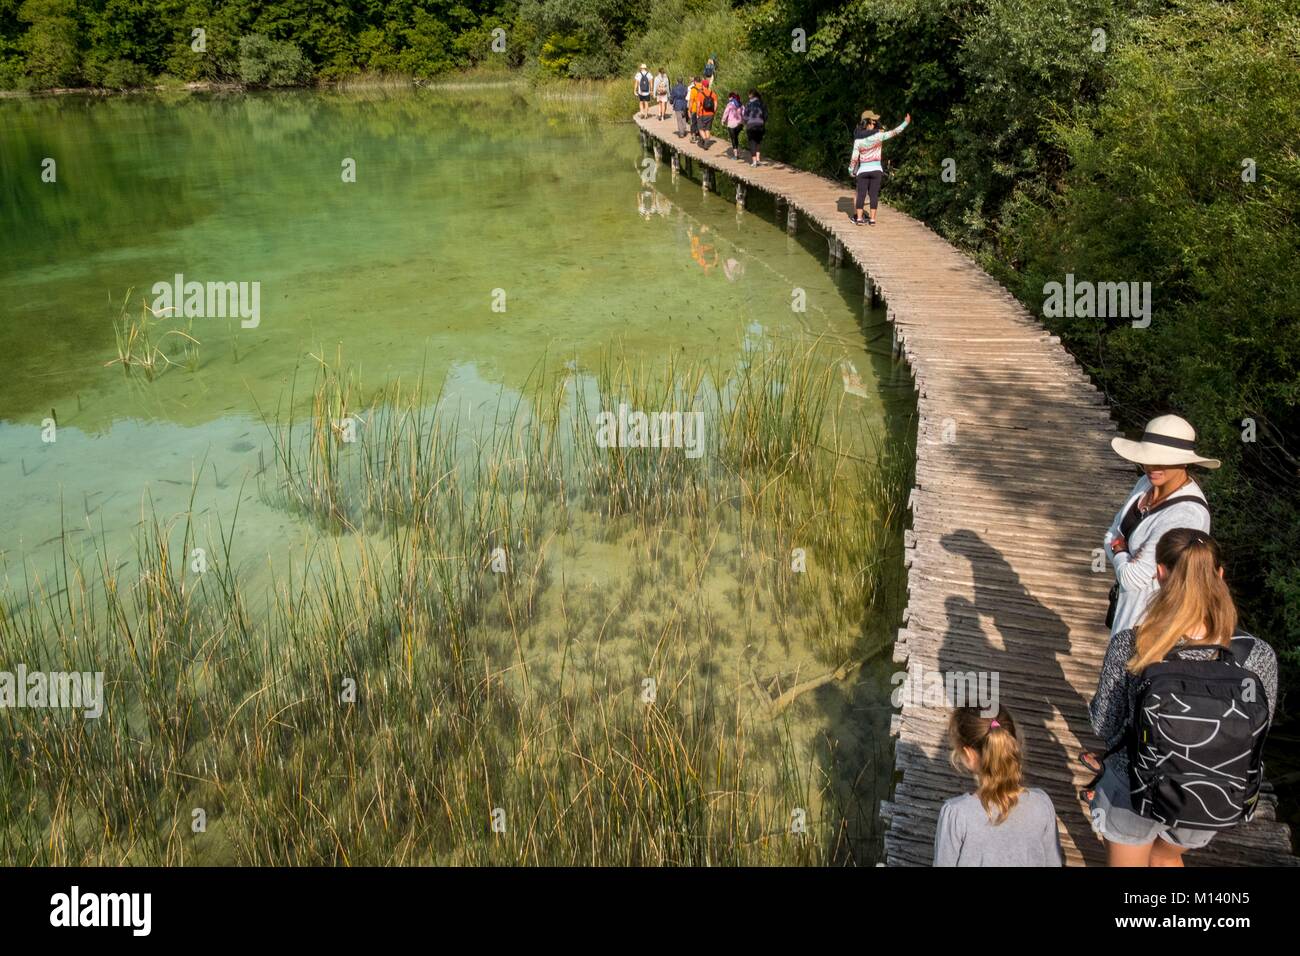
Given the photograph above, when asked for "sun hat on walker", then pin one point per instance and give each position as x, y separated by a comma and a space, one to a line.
1168, 440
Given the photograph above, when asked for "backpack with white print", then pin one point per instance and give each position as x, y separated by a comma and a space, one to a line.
1195, 747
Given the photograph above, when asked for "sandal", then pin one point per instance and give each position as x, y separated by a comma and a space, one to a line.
1098, 768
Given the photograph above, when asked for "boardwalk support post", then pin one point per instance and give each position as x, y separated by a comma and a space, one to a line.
658, 152
676, 161
706, 178
791, 220
836, 252
870, 292
740, 195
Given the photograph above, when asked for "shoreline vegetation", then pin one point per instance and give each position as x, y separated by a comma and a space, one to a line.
466, 80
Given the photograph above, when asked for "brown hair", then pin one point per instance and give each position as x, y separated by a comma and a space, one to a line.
996, 743
1192, 595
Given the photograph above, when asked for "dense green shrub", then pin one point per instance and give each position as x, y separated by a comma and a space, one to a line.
266, 62
114, 74
50, 44
581, 38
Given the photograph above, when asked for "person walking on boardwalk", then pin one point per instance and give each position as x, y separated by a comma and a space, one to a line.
1003, 823
643, 86
661, 93
693, 107
679, 95
711, 71
1165, 497
1184, 702
708, 106
864, 164
733, 118
755, 125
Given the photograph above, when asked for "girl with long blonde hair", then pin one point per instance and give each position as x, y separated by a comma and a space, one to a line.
1193, 614
1002, 823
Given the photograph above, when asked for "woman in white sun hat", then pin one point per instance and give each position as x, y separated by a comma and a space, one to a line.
1165, 497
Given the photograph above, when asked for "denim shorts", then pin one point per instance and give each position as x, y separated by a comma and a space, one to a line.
1114, 819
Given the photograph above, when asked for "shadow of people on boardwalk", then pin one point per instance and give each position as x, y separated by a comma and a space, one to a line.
1031, 681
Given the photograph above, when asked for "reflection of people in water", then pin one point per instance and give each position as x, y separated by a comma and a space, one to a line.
733, 269
650, 201
704, 253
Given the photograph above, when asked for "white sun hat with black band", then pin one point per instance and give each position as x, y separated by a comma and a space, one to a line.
1168, 440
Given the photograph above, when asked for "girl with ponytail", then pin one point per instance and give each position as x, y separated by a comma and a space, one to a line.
1192, 613
1002, 823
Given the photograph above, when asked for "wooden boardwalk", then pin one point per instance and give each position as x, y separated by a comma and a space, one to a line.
1015, 485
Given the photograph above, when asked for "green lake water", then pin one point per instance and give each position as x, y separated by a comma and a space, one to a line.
485, 233
457, 194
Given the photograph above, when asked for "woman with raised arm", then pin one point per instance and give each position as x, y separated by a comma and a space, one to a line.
864, 164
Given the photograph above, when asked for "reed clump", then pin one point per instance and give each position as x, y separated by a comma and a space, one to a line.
140, 343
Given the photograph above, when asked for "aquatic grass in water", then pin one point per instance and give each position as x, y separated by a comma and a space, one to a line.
140, 348
400, 695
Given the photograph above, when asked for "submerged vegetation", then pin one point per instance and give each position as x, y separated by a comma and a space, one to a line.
511, 644
140, 341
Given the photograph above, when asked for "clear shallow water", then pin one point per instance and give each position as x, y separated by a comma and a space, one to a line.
462, 199
457, 194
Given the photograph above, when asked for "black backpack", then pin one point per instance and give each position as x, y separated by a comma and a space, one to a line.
1197, 738
645, 82
708, 102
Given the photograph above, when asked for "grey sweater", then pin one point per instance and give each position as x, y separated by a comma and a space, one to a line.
1114, 703
1027, 837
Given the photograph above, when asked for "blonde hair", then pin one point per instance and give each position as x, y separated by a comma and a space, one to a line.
997, 745
1192, 595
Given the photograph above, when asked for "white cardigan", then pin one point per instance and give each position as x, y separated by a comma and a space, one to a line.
1135, 569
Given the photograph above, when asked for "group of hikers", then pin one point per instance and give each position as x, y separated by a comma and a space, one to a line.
1183, 702
695, 105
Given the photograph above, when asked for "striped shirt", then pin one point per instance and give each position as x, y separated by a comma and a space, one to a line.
866, 151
